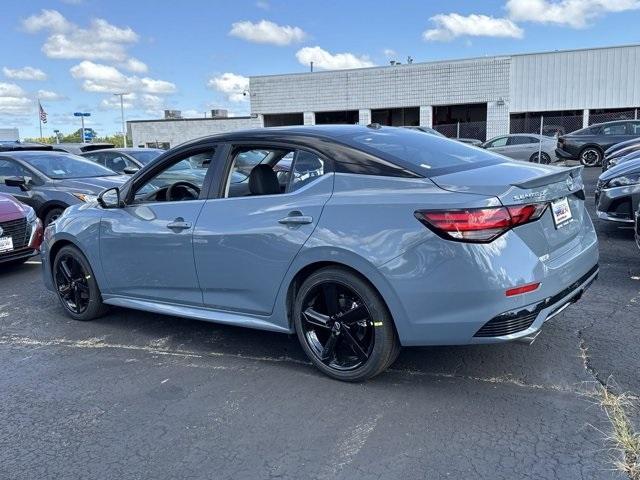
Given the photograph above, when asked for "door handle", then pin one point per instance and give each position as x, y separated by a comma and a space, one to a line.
296, 218
179, 224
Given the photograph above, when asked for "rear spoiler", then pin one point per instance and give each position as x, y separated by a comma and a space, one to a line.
553, 177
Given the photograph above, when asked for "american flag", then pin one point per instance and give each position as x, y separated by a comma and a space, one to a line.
43, 114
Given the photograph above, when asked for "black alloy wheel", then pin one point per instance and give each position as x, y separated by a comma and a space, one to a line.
545, 159
52, 215
338, 326
590, 157
76, 286
344, 326
72, 284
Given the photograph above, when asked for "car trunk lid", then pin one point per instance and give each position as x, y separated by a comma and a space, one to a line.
518, 183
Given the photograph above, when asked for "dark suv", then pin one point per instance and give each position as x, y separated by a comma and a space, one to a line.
588, 144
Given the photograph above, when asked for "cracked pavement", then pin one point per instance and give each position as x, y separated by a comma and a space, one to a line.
136, 395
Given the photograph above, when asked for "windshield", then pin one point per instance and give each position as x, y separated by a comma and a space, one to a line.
145, 156
433, 155
60, 165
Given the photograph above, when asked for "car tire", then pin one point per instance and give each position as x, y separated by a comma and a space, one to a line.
336, 303
590, 156
76, 285
545, 159
52, 215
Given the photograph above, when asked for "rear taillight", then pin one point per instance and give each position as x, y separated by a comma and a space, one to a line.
479, 225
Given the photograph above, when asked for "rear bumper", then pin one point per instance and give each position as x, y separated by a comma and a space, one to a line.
448, 291
563, 154
534, 315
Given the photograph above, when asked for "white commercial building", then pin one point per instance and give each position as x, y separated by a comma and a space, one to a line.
477, 97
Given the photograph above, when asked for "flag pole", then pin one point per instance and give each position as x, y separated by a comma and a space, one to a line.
40, 118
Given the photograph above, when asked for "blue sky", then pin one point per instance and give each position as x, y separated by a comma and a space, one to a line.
195, 55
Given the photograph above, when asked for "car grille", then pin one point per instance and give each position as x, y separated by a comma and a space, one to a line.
18, 230
506, 325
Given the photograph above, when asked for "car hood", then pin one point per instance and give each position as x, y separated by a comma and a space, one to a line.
508, 179
10, 208
91, 185
621, 169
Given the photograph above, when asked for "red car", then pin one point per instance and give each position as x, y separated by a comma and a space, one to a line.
20, 231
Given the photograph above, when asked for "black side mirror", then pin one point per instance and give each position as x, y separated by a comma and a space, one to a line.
110, 198
130, 170
20, 182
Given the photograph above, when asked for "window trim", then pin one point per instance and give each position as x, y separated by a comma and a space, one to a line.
171, 158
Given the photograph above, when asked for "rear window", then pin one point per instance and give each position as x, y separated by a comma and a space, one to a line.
431, 155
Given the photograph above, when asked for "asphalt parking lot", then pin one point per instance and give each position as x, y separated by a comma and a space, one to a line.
137, 395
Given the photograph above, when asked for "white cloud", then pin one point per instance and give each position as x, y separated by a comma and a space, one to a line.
50, 96
14, 100
24, 73
390, 53
267, 32
453, 25
99, 41
574, 13
232, 85
328, 61
135, 65
262, 4
107, 79
150, 104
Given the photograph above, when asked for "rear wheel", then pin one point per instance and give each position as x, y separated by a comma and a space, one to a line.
52, 215
590, 156
544, 158
344, 326
76, 286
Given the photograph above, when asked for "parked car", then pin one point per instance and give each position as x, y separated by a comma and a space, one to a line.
523, 146
614, 155
17, 146
50, 181
618, 192
613, 161
78, 148
382, 237
553, 130
123, 160
637, 229
588, 144
20, 231
432, 131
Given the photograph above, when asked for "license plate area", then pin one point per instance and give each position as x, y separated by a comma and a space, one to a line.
6, 244
561, 211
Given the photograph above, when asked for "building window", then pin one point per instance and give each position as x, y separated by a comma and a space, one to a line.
283, 119
156, 144
348, 117
396, 117
556, 122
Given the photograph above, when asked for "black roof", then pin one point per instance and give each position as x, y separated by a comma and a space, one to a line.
19, 146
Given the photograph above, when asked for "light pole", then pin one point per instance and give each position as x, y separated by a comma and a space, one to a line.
57, 132
82, 115
124, 133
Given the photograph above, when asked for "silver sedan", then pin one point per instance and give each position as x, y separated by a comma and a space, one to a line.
524, 146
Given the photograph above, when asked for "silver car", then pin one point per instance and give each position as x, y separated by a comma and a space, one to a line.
524, 146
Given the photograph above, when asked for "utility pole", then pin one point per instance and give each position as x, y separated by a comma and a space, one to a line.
124, 133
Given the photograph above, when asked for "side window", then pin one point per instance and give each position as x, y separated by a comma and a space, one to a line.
94, 157
518, 140
498, 142
9, 168
306, 168
116, 162
615, 129
180, 180
633, 128
259, 171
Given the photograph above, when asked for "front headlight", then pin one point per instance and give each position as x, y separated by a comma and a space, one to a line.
624, 180
31, 216
85, 197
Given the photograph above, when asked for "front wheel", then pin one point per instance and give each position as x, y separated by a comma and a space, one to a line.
590, 156
52, 215
344, 326
76, 286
